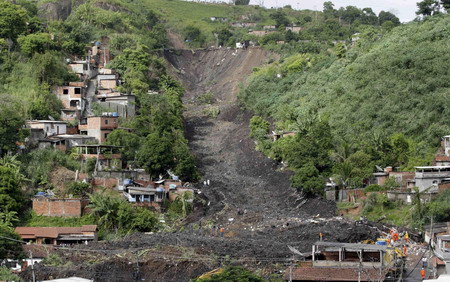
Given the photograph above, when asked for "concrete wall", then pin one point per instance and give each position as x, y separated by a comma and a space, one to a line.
59, 206
123, 110
108, 83
99, 127
125, 174
408, 197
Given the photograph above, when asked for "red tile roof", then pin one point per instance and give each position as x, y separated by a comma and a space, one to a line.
333, 274
52, 232
442, 158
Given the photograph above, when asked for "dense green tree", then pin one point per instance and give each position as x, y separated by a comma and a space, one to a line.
259, 127
130, 141
308, 179
79, 189
155, 154
280, 18
446, 5
427, 7
145, 220
11, 122
35, 43
193, 34
369, 17
223, 35
241, 2
328, 9
439, 208
384, 16
44, 106
9, 248
12, 20
11, 198
350, 14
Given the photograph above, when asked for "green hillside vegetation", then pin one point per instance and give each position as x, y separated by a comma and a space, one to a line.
382, 102
192, 21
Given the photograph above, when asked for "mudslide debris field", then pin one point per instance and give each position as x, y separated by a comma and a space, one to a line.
249, 194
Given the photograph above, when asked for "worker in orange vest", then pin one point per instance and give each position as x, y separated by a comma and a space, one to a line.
422, 272
222, 232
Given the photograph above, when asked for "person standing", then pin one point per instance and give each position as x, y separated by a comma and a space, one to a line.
422, 273
222, 232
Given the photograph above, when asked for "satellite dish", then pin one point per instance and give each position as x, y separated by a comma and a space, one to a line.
379, 168
51, 118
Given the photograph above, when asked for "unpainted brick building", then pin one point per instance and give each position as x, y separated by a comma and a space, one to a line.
68, 207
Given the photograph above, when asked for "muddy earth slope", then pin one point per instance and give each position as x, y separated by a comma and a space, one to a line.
249, 194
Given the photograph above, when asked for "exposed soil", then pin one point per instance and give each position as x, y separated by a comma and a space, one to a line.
249, 194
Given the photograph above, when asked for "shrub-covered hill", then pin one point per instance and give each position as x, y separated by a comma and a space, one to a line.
392, 83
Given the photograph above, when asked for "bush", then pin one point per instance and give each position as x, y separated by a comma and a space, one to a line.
374, 188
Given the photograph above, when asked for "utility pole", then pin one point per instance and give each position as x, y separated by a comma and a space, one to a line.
32, 266
290, 269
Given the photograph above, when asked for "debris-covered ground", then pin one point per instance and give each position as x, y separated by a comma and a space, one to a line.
249, 195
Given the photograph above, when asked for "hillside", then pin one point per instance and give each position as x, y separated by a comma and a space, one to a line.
396, 82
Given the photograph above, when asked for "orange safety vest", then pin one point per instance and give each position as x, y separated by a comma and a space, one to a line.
422, 272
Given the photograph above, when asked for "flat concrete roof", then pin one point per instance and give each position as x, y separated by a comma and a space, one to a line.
432, 167
351, 246
46, 121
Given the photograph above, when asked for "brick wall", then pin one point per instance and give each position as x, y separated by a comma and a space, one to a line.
59, 206
105, 182
108, 83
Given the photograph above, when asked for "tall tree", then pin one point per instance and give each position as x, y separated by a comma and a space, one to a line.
12, 20
428, 7
11, 122
11, 198
384, 16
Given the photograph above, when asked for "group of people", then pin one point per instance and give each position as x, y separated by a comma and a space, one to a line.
216, 230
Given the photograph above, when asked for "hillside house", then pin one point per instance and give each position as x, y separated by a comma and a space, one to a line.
153, 193
124, 105
429, 177
99, 53
107, 157
39, 252
404, 178
260, 33
332, 261
65, 142
83, 68
99, 126
73, 99
107, 81
218, 19
58, 235
269, 27
282, 134
295, 29
439, 237
48, 127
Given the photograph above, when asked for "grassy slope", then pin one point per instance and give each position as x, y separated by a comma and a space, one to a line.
398, 84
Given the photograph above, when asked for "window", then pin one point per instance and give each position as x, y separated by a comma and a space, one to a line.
106, 121
78, 90
106, 135
85, 67
65, 91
